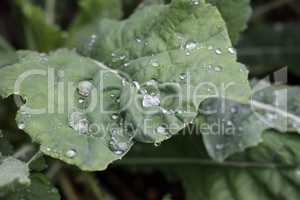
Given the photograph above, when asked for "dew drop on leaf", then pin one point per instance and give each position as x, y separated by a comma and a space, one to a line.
150, 100
71, 153
85, 88
114, 116
231, 50
79, 122
21, 125
218, 51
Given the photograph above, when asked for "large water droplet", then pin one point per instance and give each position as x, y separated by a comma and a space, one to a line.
79, 122
150, 100
71, 153
85, 88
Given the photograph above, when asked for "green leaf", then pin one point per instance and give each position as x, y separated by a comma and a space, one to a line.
13, 171
91, 10
236, 14
238, 126
41, 34
61, 127
40, 188
168, 43
267, 171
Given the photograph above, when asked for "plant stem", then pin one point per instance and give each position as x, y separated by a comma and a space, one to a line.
34, 157
23, 151
94, 186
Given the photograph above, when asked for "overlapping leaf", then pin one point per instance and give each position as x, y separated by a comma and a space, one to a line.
239, 126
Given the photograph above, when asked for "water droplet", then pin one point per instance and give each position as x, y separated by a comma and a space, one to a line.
161, 130
71, 153
210, 47
119, 148
218, 51
231, 50
182, 76
219, 146
195, 2
151, 82
154, 63
79, 122
233, 109
191, 45
85, 88
125, 64
136, 85
187, 53
157, 144
229, 123
217, 68
138, 40
81, 100
114, 116
21, 125
150, 100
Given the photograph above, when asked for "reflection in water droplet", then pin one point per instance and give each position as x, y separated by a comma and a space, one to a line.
85, 88
150, 100
71, 153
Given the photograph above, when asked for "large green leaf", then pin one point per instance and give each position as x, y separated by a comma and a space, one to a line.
236, 14
64, 128
181, 45
40, 188
238, 126
13, 171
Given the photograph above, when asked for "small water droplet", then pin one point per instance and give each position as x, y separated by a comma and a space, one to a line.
125, 64
233, 109
81, 100
218, 51
195, 2
182, 76
217, 68
190, 45
231, 50
139, 40
71, 153
136, 85
187, 53
161, 130
85, 88
219, 146
150, 100
154, 63
114, 116
21, 125
157, 144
